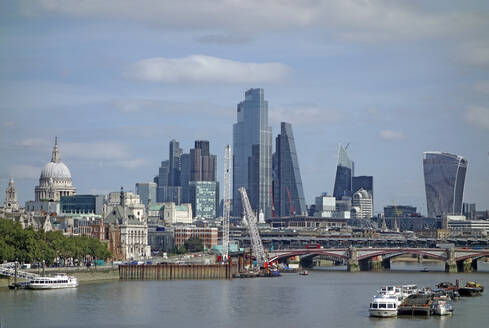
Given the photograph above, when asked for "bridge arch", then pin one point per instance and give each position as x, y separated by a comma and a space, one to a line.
311, 252
399, 252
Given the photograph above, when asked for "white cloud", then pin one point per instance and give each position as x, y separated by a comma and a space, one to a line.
476, 53
478, 117
351, 19
482, 87
390, 135
24, 171
200, 68
304, 115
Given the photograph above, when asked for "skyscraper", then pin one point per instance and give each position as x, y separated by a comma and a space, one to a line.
344, 172
444, 177
252, 153
146, 192
175, 165
363, 181
288, 193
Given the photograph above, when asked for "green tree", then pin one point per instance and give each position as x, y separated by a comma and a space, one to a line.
194, 244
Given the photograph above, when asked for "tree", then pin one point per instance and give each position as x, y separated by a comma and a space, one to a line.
194, 244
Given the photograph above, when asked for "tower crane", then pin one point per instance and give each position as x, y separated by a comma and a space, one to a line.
256, 243
227, 202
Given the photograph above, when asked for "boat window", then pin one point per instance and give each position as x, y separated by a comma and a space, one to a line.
375, 305
390, 306
382, 305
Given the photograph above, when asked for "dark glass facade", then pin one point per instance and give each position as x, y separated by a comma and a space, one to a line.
363, 181
79, 204
444, 176
252, 153
344, 173
288, 192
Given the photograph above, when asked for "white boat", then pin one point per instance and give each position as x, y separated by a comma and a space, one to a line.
392, 291
60, 280
442, 307
408, 290
383, 306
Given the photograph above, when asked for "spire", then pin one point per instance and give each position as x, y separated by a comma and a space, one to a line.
55, 157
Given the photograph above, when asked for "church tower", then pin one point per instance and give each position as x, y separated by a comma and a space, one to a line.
11, 203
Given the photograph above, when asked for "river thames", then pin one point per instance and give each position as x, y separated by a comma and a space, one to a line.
325, 298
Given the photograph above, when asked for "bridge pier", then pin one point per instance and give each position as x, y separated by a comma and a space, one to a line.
353, 266
451, 266
467, 265
374, 264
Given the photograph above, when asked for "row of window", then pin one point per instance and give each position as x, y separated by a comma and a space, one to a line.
382, 306
49, 282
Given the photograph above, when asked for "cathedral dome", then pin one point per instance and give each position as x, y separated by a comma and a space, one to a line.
55, 171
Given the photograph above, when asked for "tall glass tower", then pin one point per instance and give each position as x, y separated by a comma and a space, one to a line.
444, 178
344, 172
252, 153
288, 193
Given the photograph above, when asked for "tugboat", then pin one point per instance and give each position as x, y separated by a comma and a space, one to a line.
471, 289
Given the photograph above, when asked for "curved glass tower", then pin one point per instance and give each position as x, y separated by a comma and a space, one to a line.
444, 177
344, 173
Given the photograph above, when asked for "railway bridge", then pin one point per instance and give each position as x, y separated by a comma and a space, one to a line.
366, 259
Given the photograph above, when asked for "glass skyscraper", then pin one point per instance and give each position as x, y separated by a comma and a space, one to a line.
252, 153
288, 193
444, 177
344, 173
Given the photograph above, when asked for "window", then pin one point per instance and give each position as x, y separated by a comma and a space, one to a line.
375, 305
382, 306
390, 306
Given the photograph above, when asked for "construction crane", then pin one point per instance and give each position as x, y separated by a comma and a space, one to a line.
396, 210
256, 243
227, 202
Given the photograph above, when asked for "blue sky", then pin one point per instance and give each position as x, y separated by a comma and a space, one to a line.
115, 81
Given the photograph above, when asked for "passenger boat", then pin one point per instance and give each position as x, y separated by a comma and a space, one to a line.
383, 306
304, 273
392, 291
471, 289
60, 280
408, 290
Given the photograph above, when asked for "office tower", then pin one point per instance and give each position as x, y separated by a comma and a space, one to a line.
203, 189
204, 197
444, 177
288, 193
344, 172
469, 211
185, 174
252, 153
362, 181
162, 181
146, 192
362, 205
175, 165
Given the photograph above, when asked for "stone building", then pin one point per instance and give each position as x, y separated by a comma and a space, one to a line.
362, 205
55, 180
126, 233
207, 235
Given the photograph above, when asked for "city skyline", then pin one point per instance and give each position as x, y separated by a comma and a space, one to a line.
393, 80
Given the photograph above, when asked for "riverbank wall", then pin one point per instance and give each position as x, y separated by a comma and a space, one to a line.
169, 271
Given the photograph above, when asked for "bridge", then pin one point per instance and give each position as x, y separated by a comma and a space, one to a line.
366, 259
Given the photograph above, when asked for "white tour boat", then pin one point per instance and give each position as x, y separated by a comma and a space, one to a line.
60, 280
392, 291
408, 290
383, 306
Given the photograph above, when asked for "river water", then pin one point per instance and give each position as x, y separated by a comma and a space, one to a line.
325, 298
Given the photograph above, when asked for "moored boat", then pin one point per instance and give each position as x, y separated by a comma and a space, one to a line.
304, 273
383, 306
442, 307
471, 289
60, 280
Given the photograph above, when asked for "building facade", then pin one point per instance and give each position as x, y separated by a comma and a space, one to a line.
146, 192
204, 197
252, 153
208, 235
11, 203
363, 181
444, 176
399, 211
344, 172
288, 194
55, 180
362, 205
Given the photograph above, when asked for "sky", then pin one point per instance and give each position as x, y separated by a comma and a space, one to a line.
117, 80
